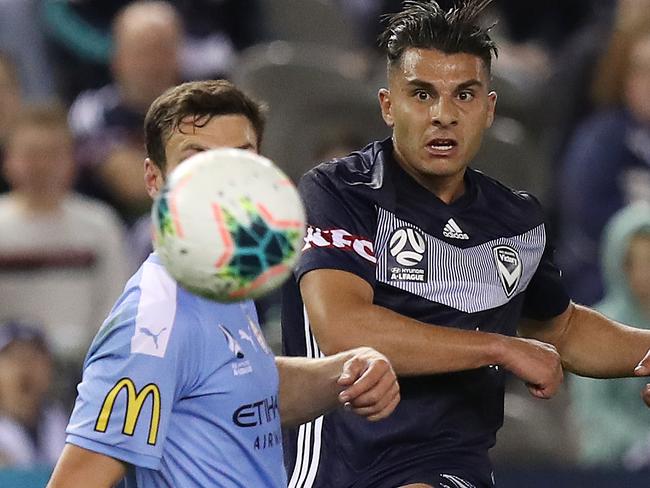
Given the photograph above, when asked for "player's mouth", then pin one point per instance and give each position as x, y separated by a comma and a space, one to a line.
442, 146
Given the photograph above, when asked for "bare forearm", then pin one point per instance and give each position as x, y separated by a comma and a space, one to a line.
308, 387
593, 345
79, 467
342, 315
414, 348
361, 378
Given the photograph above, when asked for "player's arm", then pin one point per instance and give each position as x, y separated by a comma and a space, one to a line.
80, 467
342, 316
361, 379
591, 344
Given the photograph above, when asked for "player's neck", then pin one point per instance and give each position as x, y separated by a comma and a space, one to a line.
448, 188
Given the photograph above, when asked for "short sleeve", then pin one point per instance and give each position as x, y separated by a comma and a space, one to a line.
341, 228
546, 296
130, 380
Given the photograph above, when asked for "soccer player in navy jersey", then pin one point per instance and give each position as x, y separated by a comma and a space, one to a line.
443, 269
181, 391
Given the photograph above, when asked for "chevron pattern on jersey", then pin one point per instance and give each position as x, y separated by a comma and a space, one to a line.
465, 279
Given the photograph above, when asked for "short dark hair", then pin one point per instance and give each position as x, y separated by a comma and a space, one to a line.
424, 24
201, 100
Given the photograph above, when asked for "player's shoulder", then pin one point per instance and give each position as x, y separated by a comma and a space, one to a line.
144, 316
499, 197
361, 171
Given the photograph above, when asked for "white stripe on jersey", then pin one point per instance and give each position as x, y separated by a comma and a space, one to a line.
308, 453
302, 456
156, 311
313, 468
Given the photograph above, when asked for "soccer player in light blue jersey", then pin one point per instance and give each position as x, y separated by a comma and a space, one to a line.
179, 391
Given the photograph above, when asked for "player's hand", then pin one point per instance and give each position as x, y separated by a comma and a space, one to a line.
643, 369
537, 363
370, 384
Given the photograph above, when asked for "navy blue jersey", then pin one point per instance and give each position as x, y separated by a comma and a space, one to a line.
479, 263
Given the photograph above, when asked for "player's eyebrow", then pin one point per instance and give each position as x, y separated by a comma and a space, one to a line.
192, 146
246, 147
469, 84
417, 83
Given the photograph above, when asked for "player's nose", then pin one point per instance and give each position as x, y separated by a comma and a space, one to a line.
444, 113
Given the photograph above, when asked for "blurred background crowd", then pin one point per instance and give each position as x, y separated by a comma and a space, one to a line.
77, 76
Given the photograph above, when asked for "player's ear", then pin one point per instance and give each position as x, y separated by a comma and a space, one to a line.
153, 177
385, 104
492, 103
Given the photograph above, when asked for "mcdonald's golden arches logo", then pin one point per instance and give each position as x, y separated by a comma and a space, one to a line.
134, 402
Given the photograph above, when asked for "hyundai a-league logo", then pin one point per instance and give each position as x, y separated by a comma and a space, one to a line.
407, 256
509, 267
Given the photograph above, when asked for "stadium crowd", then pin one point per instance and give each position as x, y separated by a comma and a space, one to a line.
76, 80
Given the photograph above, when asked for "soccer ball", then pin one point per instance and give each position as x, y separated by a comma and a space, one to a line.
228, 225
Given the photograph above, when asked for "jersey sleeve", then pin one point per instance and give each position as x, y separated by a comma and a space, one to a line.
341, 228
132, 375
546, 296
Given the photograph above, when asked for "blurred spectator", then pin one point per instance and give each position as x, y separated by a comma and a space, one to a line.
610, 415
217, 31
62, 260
549, 51
548, 23
80, 37
632, 21
21, 37
107, 123
10, 101
607, 166
32, 428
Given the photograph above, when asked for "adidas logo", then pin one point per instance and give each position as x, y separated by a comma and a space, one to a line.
453, 231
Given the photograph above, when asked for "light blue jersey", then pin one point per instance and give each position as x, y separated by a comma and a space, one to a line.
183, 389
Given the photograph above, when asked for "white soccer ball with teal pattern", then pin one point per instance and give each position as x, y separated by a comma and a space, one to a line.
228, 225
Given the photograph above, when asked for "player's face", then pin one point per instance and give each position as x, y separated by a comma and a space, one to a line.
235, 131
439, 106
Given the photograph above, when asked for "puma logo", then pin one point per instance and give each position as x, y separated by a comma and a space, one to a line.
246, 337
148, 332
